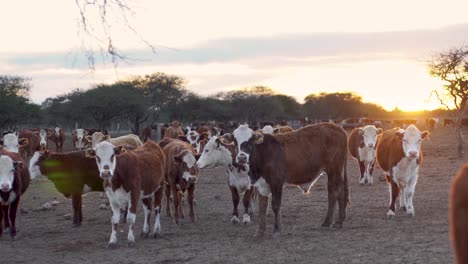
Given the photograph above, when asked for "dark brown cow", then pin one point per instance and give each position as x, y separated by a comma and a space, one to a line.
399, 155
146, 134
57, 136
458, 216
174, 130
128, 177
14, 180
72, 173
181, 175
296, 158
361, 145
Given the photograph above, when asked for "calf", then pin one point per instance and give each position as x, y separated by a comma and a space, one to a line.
181, 174
127, 140
217, 153
58, 137
399, 155
14, 180
458, 215
296, 158
79, 139
72, 173
361, 144
128, 177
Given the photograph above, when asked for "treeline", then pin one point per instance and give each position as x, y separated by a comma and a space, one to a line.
155, 98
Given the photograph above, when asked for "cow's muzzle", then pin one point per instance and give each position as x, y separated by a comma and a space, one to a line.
105, 174
242, 158
5, 187
412, 154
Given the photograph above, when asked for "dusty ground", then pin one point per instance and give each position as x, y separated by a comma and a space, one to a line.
45, 236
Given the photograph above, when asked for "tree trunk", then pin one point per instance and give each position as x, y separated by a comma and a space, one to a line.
459, 136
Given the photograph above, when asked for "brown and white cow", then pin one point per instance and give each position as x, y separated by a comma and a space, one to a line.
458, 215
34, 143
282, 130
181, 175
127, 140
72, 173
218, 153
194, 139
14, 180
12, 143
174, 130
399, 155
58, 137
79, 139
128, 177
296, 158
362, 142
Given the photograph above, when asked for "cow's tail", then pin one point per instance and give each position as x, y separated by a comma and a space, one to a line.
345, 178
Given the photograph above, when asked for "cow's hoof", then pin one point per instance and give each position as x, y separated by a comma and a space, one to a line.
155, 235
337, 225
112, 245
410, 213
131, 244
259, 235
390, 214
235, 219
144, 235
246, 219
276, 235
402, 208
326, 224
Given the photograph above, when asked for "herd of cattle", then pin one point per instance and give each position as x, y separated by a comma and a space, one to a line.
257, 164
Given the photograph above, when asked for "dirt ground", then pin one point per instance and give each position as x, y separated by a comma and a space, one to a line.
46, 236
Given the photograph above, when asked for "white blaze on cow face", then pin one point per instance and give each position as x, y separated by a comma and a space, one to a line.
105, 159
57, 131
412, 139
214, 155
43, 135
7, 173
242, 135
268, 130
369, 134
79, 135
10, 142
190, 162
34, 169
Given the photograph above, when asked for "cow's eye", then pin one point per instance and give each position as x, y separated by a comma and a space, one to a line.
98, 159
112, 157
207, 151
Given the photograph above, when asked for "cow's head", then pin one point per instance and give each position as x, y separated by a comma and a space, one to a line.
96, 138
213, 154
8, 168
244, 138
43, 142
80, 135
369, 134
268, 129
11, 142
193, 139
38, 157
106, 158
57, 131
411, 139
186, 160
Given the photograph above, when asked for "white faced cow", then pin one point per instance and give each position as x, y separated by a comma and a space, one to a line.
79, 139
11, 142
361, 144
399, 155
268, 130
128, 177
217, 153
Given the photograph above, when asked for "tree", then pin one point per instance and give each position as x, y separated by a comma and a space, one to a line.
451, 67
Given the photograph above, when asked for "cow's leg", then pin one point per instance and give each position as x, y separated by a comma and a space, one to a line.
175, 197
2, 219
246, 200
168, 200
147, 202
371, 170
181, 203
6, 221
235, 202
157, 211
394, 191
362, 169
342, 204
276, 195
131, 216
191, 190
333, 195
262, 210
403, 202
77, 201
12, 217
115, 225
410, 194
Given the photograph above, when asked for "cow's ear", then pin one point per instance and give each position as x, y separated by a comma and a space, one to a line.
379, 131
218, 142
74, 132
257, 138
1, 141
90, 153
203, 136
106, 137
119, 150
275, 131
228, 137
89, 138
18, 165
179, 157
197, 156
399, 133
425, 135
360, 131
23, 142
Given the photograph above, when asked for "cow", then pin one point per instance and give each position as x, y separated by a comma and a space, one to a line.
34, 143
43, 142
194, 139
210, 131
268, 130
399, 155
127, 140
174, 130
14, 181
282, 130
128, 177
79, 139
296, 158
147, 133
362, 142
58, 137
72, 173
218, 153
180, 175
11, 142
458, 215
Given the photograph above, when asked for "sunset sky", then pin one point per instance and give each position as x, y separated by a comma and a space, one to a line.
378, 49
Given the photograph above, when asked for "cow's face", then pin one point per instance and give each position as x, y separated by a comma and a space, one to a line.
244, 138
43, 136
57, 131
193, 138
268, 129
10, 142
96, 138
7, 172
80, 138
212, 155
106, 158
34, 168
186, 160
411, 140
369, 135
